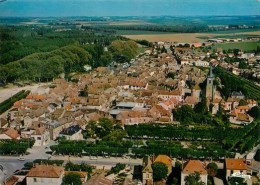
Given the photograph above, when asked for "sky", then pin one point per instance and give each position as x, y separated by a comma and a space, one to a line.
48, 8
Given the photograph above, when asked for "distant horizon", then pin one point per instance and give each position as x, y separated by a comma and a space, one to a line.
101, 8
3, 16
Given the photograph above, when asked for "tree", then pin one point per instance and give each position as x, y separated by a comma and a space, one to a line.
201, 107
242, 102
160, 171
106, 58
242, 65
170, 75
193, 179
116, 135
123, 51
106, 126
255, 112
91, 128
71, 179
236, 181
184, 114
163, 50
212, 169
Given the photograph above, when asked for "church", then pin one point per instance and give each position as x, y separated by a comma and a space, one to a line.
210, 88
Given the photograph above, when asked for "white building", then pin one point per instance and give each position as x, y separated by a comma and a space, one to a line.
235, 167
45, 174
192, 167
41, 136
72, 133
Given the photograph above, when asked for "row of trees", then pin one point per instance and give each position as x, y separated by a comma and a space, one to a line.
44, 161
116, 169
161, 28
7, 104
227, 137
78, 167
15, 147
231, 83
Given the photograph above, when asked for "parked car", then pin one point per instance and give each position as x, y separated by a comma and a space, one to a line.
21, 159
93, 158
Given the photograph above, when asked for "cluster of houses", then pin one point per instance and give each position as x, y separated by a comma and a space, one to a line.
53, 174
142, 93
41, 174
145, 92
233, 168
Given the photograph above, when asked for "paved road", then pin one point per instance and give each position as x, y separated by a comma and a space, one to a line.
11, 163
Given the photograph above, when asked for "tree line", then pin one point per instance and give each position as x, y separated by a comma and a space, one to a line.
7, 104
15, 147
17, 42
45, 66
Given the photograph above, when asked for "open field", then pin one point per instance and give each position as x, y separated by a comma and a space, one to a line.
186, 37
245, 46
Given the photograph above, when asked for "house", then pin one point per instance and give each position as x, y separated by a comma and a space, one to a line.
41, 136
169, 104
251, 103
3, 123
165, 95
191, 101
45, 174
72, 133
11, 180
55, 127
166, 160
239, 95
9, 133
242, 109
147, 171
133, 117
235, 167
138, 85
158, 113
240, 118
192, 167
126, 105
83, 175
99, 180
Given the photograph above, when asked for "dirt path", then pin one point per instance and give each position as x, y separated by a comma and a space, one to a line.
7, 92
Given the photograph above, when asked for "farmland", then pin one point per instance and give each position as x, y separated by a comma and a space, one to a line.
245, 46
184, 37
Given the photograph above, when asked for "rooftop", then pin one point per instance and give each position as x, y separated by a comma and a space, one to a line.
195, 166
47, 171
236, 164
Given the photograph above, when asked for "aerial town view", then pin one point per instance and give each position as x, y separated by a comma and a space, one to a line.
129, 92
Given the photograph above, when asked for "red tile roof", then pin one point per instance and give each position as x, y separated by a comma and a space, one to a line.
164, 159
48, 171
10, 132
195, 166
236, 164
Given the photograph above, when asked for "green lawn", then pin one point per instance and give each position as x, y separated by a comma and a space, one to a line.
245, 46
141, 49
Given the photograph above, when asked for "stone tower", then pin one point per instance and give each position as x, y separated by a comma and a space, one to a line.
210, 85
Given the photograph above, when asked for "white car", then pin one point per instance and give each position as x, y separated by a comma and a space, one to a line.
93, 158
21, 159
